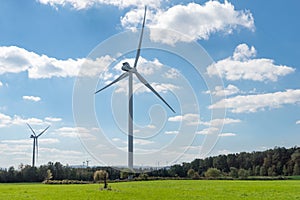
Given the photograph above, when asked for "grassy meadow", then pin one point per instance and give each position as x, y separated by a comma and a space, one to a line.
167, 189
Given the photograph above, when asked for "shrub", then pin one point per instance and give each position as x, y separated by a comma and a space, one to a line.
243, 174
212, 173
233, 172
143, 176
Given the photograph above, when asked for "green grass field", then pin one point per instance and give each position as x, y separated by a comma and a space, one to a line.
170, 189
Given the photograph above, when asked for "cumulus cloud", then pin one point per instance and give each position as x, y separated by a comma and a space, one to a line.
29, 141
6, 120
193, 20
220, 122
85, 4
208, 131
243, 65
254, 103
228, 91
197, 21
171, 132
172, 73
189, 119
214, 127
214, 130
31, 98
53, 119
142, 142
193, 119
298, 122
1, 84
227, 134
116, 139
73, 132
15, 60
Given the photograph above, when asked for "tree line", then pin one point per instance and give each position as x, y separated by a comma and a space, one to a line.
27, 173
273, 162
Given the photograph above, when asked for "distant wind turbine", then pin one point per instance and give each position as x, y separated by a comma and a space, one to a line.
35, 142
129, 71
87, 163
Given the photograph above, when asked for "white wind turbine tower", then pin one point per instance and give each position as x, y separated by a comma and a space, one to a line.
129, 71
35, 142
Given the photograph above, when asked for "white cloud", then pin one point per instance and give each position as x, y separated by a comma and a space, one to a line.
215, 126
193, 119
208, 131
197, 21
116, 139
219, 122
298, 122
1, 84
172, 73
31, 98
142, 142
224, 152
227, 134
194, 20
242, 65
189, 119
171, 132
214, 130
242, 52
228, 91
62, 153
151, 126
6, 120
17, 120
85, 4
15, 60
159, 87
29, 141
73, 132
53, 119
254, 103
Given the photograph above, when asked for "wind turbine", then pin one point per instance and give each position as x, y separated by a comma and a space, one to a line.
129, 71
35, 142
87, 163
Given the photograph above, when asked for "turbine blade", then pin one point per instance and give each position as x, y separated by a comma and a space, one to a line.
140, 42
43, 131
31, 129
124, 75
141, 78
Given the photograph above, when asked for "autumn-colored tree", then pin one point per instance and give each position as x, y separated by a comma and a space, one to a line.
101, 175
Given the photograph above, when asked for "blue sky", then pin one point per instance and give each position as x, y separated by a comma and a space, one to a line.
47, 47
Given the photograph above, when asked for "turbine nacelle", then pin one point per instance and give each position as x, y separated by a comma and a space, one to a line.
32, 136
126, 67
